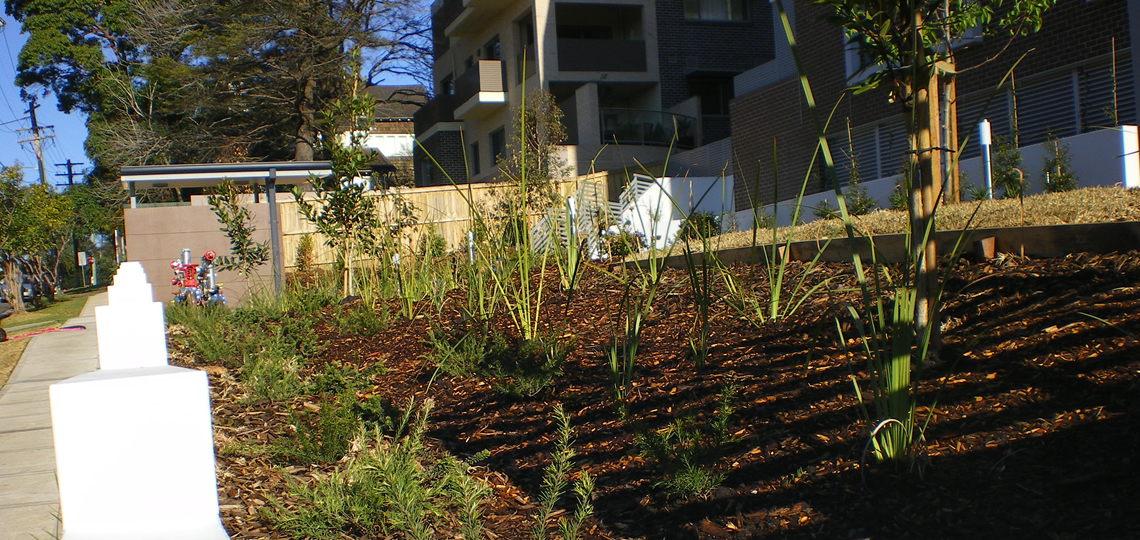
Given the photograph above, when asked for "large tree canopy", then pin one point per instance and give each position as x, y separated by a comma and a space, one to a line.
178, 81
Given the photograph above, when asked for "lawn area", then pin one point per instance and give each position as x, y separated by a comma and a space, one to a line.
66, 306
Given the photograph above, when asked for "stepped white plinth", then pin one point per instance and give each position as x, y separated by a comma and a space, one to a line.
131, 334
135, 455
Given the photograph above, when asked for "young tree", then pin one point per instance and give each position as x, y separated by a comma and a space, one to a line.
909, 46
342, 212
31, 218
245, 253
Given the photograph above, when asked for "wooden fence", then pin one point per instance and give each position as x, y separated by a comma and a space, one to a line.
446, 211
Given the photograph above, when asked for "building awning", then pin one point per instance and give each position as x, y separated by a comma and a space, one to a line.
211, 174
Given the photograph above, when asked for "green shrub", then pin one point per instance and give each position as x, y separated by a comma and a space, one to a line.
1005, 174
700, 225
392, 489
360, 320
1057, 170
685, 450
322, 436
555, 479
519, 367
272, 375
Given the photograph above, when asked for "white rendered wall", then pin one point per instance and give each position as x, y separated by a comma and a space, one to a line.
1107, 157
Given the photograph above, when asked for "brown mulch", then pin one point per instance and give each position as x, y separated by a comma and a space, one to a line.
1033, 411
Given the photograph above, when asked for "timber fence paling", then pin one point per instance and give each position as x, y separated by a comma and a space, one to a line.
446, 207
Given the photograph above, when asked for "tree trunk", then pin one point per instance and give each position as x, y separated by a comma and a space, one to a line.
928, 186
14, 279
306, 129
950, 82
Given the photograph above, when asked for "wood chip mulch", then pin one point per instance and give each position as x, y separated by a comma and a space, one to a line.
1033, 414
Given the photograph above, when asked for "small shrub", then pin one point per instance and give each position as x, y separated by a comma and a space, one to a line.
272, 375
700, 225
1057, 172
518, 367
685, 450
555, 479
322, 436
305, 259
392, 489
338, 378
620, 243
899, 199
976, 193
1005, 174
360, 320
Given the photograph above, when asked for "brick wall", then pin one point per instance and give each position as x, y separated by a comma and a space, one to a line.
446, 148
686, 47
1072, 31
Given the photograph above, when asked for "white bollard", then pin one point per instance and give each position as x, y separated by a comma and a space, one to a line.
135, 455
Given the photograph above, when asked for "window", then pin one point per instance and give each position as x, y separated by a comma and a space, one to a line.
714, 93
474, 158
447, 86
859, 65
498, 144
491, 51
715, 10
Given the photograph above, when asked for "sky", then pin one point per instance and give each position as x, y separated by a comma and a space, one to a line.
69, 129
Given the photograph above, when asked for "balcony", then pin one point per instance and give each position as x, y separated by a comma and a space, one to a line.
464, 17
438, 109
479, 90
647, 128
609, 55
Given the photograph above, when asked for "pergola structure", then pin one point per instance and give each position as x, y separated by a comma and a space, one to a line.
200, 175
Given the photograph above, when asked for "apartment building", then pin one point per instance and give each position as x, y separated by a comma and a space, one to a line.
627, 75
1079, 73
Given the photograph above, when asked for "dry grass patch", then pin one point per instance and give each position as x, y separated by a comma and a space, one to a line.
10, 353
1090, 205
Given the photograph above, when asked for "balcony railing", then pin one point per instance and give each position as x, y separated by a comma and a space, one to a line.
441, 108
644, 127
484, 76
601, 55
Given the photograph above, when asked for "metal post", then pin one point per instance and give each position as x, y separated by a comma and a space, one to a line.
985, 140
134, 198
274, 242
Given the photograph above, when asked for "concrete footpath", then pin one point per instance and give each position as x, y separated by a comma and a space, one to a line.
29, 497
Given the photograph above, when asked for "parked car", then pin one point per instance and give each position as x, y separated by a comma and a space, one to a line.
29, 289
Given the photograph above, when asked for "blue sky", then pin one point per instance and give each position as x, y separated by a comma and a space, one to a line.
69, 129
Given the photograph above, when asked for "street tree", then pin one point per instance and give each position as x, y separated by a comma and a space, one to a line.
32, 219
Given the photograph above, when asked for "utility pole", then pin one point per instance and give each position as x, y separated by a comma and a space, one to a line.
70, 174
36, 138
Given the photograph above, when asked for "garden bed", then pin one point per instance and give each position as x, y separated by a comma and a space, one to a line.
1035, 422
